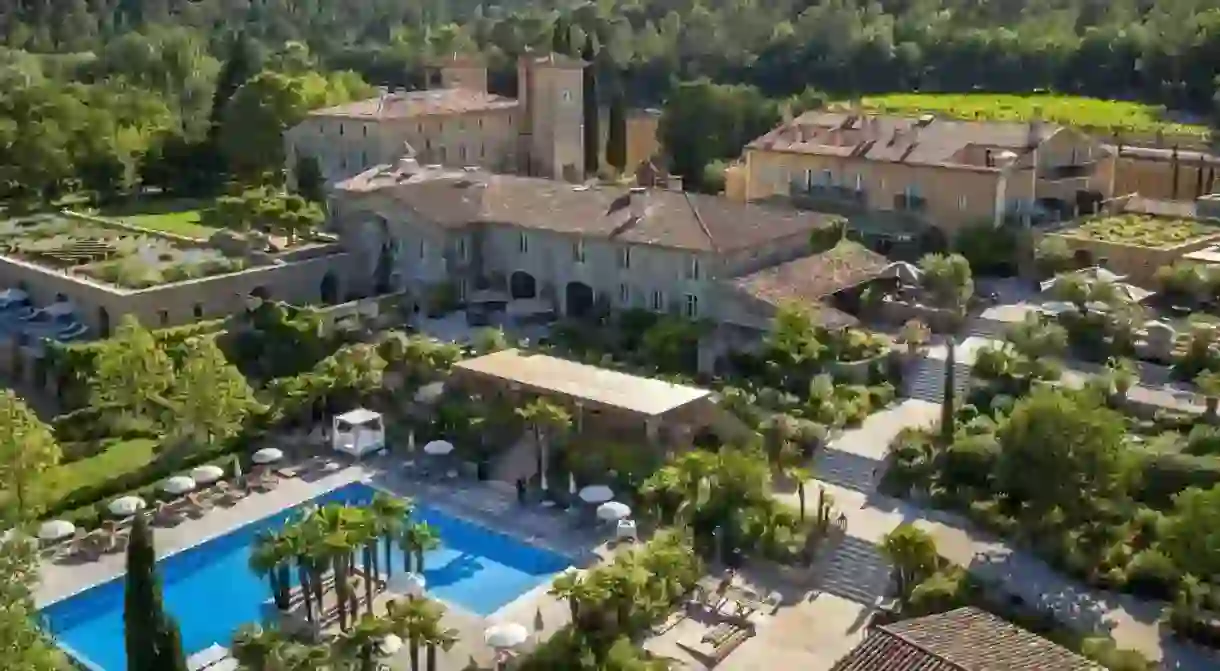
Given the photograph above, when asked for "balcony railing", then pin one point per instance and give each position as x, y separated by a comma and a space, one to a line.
835, 197
910, 203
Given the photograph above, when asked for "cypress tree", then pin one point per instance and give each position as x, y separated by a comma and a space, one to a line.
591, 111
616, 134
152, 638
561, 37
142, 600
946, 408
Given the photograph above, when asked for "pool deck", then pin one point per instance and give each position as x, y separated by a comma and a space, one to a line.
487, 504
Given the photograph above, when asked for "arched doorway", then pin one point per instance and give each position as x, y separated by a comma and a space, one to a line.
329, 288
579, 301
522, 285
103, 322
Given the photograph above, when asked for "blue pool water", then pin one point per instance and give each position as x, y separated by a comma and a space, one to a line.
210, 590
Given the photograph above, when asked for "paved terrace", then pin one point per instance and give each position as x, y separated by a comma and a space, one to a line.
486, 503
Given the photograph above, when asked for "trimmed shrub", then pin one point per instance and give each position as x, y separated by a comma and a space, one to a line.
1164, 475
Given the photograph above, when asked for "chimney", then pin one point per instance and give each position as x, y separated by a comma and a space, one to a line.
639, 202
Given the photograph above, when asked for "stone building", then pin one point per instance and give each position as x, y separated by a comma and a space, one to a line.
457, 124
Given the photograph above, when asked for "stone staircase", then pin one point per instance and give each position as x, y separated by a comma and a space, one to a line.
854, 569
925, 380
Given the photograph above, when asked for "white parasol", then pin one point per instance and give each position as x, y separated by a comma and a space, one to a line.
126, 506
267, 455
179, 484
438, 448
508, 635
596, 494
55, 530
389, 645
613, 511
206, 475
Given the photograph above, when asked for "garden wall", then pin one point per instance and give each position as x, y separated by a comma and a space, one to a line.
1137, 262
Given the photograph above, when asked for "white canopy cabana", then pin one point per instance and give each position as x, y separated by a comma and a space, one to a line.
358, 432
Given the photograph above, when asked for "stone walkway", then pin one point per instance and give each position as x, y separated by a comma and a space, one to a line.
848, 464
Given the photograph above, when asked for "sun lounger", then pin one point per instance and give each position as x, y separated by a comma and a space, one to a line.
719, 634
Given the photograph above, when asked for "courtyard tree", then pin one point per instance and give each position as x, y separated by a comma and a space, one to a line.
297, 217
1039, 344
547, 421
1122, 374
23, 645
27, 452
132, 374
948, 281
310, 183
591, 107
1208, 383
912, 552
792, 347
415, 620
915, 334
152, 639
209, 396
1061, 450
1191, 535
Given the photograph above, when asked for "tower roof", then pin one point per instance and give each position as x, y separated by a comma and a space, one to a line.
553, 60
460, 60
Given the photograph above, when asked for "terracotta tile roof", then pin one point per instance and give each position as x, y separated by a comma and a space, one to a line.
641, 216
809, 279
898, 139
965, 639
408, 104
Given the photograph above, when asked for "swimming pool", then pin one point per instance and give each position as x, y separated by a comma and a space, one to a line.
211, 591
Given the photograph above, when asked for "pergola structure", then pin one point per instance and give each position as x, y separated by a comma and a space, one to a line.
668, 413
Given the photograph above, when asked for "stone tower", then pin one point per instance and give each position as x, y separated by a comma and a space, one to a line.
460, 72
550, 92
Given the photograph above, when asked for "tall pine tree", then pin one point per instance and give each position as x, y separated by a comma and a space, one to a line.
591, 111
616, 134
152, 639
239, 66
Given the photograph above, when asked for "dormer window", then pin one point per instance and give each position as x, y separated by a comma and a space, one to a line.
578, 251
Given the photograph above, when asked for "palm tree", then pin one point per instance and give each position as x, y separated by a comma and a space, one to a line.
411, 620
357, 648
391, 514
438, 637
912, 551
418, 538
334, 529
547, 421
267, 559
258, 649
296, 545
567, 586
799, 475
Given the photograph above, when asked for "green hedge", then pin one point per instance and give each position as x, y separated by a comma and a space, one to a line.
84, 506
1164, 475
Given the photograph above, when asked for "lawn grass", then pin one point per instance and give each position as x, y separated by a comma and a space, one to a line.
1086, 113
117, 458
180, 217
